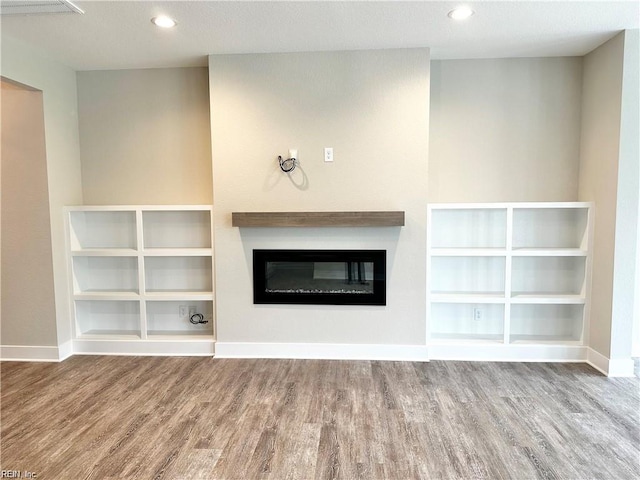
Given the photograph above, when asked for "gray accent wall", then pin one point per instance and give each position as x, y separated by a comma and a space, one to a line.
372, 108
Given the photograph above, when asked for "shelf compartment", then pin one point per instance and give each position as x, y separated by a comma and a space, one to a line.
105, 275
110, 335
164, 296
178, 274
468, 275
549, 252
561, 228
546, 323
176, 229
102, 230
111, 296
456, 322
470, 338
163, 318
178, 252
461, 297
97, 318
105, 252
469, 228
532, 299
468, 252
548, 276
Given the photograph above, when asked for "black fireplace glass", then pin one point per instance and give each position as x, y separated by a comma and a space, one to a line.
329, 277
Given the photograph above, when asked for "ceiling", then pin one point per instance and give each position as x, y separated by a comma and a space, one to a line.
119, 34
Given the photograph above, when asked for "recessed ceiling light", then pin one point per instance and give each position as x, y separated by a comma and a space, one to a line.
163, 21
460, 13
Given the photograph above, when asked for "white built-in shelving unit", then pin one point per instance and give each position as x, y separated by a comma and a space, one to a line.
508, 281
138, 273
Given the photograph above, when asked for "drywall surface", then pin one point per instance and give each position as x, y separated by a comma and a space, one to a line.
600, 148
505, 130
372, 108
627, 213
57, 82
145, 136
28, 305
635, 349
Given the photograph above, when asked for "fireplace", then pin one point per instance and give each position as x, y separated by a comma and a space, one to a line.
319, 277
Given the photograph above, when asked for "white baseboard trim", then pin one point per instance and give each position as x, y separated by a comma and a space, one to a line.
161, 348
598, 361
617, 367
621, 367
28, 353
65, 350
323, 351
507, 353
326, 351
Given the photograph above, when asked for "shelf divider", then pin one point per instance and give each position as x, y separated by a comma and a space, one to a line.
508, 265
468, 252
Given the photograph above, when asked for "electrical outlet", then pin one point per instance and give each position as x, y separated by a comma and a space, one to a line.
183, 312
328, 154
477, 314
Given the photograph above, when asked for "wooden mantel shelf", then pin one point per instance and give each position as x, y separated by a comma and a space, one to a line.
317, 219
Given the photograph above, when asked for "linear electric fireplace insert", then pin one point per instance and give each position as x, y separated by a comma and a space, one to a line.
320, 277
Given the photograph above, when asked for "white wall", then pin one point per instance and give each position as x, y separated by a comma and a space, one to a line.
609, 176
58, 84
372, 107
602, 85
145, 136
635, 348
627, 213
28, 306
505, 130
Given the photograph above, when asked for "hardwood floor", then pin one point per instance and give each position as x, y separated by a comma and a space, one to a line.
188, 418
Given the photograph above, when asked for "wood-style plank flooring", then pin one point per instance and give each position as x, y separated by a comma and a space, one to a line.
186, 418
